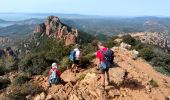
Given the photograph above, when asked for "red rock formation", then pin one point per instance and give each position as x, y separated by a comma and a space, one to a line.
70, 39
54, 28
38, 30
48, 30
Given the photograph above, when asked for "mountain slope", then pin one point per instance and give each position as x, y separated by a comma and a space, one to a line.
142, 82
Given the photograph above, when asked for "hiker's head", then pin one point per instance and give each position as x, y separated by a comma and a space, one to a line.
54, 65
100, 45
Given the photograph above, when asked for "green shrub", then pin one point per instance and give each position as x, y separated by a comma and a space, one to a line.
89, 48
153, 83
34, 64
146, 53
139, 46
82, 76
3, 70
12, 64
45, 73
162, 70
4, 83
21, 79
85, 61
20, 92
110, 42
64, 64
129, 40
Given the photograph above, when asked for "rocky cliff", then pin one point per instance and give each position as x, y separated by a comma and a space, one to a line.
53, 27
154, 38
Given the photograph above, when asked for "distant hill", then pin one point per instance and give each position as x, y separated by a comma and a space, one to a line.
111, 26
17, 31
95, 25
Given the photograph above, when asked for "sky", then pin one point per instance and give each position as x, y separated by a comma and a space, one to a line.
89, 7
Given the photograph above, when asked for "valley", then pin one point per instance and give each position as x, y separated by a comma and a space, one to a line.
141, 50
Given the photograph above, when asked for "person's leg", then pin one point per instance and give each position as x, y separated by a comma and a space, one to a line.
103, 80
72, 67
108, 78
75, 69
49, 83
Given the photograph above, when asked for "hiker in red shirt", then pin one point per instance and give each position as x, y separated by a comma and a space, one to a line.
54, 75
101, 63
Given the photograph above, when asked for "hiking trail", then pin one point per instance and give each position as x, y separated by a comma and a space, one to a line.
131, 80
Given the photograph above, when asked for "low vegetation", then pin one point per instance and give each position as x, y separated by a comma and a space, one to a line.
3, 70
21, 79
19, 92
4, 82
153, 54
82, 76
153, 83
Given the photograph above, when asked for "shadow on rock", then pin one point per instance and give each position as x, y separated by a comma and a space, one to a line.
130, 83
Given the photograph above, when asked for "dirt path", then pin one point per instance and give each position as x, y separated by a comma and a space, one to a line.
144, 72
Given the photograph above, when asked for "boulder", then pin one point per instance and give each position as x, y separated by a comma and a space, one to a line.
117, 75
73, 97
40, 96
135, 54
118, 40
125, 46
68, 76
90, 78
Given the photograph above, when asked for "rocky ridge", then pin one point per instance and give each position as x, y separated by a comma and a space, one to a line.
131, 79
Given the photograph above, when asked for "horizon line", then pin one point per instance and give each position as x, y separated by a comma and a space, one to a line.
97, 15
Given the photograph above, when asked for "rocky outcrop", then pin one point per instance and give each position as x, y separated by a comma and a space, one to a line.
8, 51
4, 40
53, 27
154, 38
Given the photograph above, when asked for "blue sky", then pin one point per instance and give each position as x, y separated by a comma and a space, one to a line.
89, 7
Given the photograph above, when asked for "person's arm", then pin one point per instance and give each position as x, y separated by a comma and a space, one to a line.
98, 63
58, 72
98, 56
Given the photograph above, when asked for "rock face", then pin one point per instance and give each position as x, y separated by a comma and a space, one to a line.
53, 27
154, 38
7, 52
4, 40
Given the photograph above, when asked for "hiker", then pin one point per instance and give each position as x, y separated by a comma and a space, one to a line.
75, 56
54, 75
104, 62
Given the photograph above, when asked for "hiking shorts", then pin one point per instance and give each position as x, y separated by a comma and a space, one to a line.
76, 62
102, 71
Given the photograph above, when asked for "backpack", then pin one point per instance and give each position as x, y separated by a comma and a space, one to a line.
72, 55
54, 78
108, 57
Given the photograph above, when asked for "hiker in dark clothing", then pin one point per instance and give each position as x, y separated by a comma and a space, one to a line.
104, 58
75, 57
